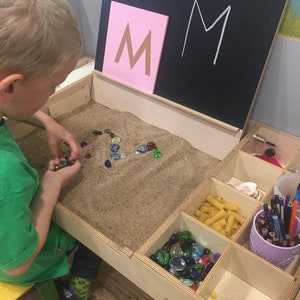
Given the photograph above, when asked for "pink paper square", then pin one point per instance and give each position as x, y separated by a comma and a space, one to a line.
133, 46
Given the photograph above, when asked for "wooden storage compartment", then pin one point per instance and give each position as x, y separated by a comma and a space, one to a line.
182, 222
285, 145
240, 274
247, 205
244, 167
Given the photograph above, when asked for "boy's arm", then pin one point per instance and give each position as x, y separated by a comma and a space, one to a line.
42, 208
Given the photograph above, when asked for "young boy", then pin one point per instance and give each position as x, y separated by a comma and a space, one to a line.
40, 45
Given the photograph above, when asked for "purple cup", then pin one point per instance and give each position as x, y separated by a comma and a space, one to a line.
278, 256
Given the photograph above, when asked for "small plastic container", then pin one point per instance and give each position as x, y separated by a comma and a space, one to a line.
287, 183
277, 255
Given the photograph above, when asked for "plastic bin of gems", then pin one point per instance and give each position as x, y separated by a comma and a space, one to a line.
243, 183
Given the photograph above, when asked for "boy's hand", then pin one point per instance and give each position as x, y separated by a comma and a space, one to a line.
62, 176
57, 135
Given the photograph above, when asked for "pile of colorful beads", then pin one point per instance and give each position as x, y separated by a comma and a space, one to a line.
185, 258
114, 147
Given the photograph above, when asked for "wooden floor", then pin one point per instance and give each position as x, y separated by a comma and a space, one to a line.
109, 285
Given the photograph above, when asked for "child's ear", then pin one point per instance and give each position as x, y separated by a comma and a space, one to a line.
7, 85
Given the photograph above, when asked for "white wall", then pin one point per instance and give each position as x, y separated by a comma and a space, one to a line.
278, 100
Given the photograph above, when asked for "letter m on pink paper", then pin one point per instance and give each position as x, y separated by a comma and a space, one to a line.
133, 46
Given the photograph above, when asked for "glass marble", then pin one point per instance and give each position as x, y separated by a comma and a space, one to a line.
142, 148
175, 250
123, 155
83, 144
151, 146
189, 260
116, 140
184, 235
107, 164
97, 132
174, 238
205, 260
162, 257
188, 282
190, 266
197, 249
114, 147
173, 272
177, 263
206, 251
115, 156
195, 275
157, 153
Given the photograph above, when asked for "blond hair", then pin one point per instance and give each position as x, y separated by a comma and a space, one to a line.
37, 36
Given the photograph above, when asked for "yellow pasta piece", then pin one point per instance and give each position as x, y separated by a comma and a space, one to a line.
222, 222
213, 211
220, 214
238, 217
231, 206
203, 217
208, 208
229, 225
214, 202
216, 227
235, 226
220, 199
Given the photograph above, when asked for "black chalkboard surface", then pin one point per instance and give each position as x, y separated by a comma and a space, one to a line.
214, 52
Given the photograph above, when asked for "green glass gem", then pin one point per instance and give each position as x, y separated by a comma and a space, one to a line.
184, 235
162, 257
157, 153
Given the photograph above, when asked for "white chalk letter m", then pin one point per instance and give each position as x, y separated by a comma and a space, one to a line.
226, 12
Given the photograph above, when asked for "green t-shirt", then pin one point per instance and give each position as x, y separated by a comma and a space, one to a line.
18, 238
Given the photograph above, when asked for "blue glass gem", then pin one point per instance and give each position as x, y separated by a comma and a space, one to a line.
83, 144
195, 275
107, 130
173, 272
189, 261
142, 149
177, 263
107, 164
115, 156
114, 147
188, 282
197, 249
174, 239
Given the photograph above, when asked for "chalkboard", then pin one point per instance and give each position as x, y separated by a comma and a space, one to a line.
214, 52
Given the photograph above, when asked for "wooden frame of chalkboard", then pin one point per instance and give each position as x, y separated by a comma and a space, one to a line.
214, 54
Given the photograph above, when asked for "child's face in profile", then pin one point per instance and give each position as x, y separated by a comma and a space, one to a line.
30, 95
